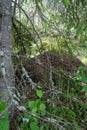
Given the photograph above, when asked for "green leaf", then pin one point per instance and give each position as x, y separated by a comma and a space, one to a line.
42, 107
35, 120
4, 124
79, 30
31, 104
84, 78
67, 2
37, 102
82, 68
85, 88
43, 113
25, 115
39, 93
57, 0
34, 126
34, 110
2, 106
4, 121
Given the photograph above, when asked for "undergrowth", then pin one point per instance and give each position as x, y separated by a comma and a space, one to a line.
67, 112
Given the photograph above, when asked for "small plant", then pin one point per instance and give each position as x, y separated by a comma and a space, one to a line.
81, 77
4, 121
36, 107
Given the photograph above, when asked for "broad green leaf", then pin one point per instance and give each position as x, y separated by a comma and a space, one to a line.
84, 78
42, 107
34, 110
35, 120
4, 124
34, 126
2, 106
43, 113
85, 88
82, 68
25, 115
4, 121
67, 2
37, 102
31, 104
39, 93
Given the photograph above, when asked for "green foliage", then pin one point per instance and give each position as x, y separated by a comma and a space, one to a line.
34, 126
39, 93
65, 112
67, 2
2, 106
57, 0
4, 121
71, 88
82, 77
85, 88
37, 107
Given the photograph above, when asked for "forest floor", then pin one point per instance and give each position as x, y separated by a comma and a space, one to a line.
39, 68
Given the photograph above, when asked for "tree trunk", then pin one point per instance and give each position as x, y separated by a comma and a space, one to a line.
6, 66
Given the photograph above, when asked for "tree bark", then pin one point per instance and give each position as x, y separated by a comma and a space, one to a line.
6, 66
